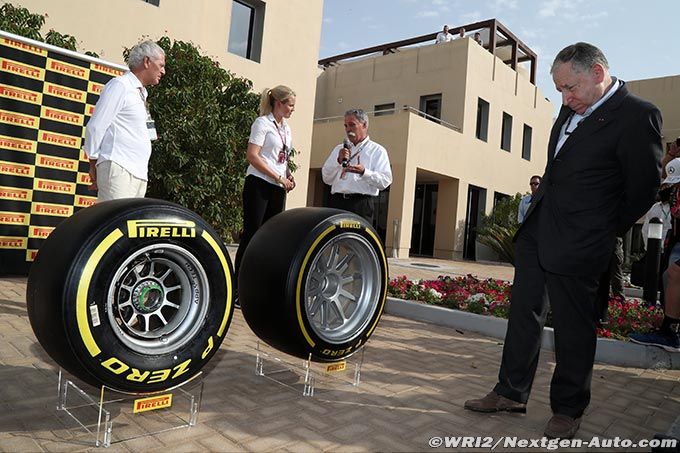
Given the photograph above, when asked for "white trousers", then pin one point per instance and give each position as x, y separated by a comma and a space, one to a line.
116, 182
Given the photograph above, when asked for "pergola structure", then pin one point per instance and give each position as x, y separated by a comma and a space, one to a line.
501, 42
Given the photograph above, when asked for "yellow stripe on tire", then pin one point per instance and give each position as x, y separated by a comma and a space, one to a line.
83, 287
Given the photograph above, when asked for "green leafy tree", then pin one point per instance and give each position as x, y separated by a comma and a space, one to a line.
21, 21
203, 115
498, 228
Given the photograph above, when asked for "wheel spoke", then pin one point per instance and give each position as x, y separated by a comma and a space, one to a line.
160, 316
348, 295
167, 303
173, 288
332, 257
344, 262
317, 301
336, 306
165, 275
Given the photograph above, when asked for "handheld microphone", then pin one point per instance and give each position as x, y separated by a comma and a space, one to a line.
348, 145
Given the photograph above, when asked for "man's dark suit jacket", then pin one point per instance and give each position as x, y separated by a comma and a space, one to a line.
604, 178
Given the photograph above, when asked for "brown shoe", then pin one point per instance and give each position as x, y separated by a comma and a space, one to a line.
493, 402
562, 427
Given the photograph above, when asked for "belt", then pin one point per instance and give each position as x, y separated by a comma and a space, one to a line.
349, 196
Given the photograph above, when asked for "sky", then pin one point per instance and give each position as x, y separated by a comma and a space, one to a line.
639, 38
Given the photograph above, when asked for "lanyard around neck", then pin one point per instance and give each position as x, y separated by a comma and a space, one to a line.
281, 136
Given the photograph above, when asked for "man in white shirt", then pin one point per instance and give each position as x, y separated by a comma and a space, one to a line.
358, 169
444, 35
118, 136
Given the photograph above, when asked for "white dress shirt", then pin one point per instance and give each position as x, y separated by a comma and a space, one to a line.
117, 130
575, 118
444, 37
377, 175
266, 133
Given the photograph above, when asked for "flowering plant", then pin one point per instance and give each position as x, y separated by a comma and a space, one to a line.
492, 297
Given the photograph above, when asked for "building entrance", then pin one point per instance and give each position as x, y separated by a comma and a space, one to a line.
424, 219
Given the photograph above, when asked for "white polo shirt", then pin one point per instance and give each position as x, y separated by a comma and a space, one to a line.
265, 133
117, 130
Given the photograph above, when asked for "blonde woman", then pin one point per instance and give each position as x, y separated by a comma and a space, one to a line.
268, 178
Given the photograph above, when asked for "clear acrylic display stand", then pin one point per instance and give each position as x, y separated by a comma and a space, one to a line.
293, 372
114, 416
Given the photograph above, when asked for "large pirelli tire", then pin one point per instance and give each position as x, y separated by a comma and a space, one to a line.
314, 281
134, 294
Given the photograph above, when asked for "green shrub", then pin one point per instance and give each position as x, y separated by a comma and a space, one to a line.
498, 228
203, 115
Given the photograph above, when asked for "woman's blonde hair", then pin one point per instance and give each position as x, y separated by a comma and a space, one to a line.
279, 93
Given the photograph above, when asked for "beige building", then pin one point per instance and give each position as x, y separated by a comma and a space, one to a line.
270, 42
664, 92
461, 126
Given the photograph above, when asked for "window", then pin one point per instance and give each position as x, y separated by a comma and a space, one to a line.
245, 32
482, 119
498, 197
526, 142
506, 132
383, 109
153, 2
432, 106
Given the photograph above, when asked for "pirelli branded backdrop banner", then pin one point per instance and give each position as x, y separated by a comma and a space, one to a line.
47, 95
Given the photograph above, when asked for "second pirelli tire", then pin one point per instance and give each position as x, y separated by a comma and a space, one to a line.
314, 281
134, 294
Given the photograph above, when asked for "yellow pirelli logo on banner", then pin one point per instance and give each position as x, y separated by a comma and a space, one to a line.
57, 210
16, 169
152, 403
18, 94
82, 201
39, 232
23, 46
14, 218
50, 113
68, 69
22, 69
84, 178
106, 69
30, 254
58, 163
9, 242
89, 109
18, 119
15, 194
18, 144
47, 185
94, 88
59, 91
54, 138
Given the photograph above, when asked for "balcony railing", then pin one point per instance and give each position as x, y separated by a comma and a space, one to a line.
406, 108
500, 37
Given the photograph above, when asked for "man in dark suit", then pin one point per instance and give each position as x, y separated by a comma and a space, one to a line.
602, 175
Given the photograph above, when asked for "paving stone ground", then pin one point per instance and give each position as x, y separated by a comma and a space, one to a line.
415, 378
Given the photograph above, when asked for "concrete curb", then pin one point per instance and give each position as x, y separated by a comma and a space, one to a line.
613, 352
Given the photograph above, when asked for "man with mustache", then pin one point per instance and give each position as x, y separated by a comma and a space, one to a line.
357, 170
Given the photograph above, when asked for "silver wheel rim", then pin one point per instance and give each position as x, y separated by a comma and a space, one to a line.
158, 299
342, 288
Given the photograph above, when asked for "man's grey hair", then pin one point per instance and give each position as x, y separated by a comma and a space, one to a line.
146, 48
359, 114
582, 57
